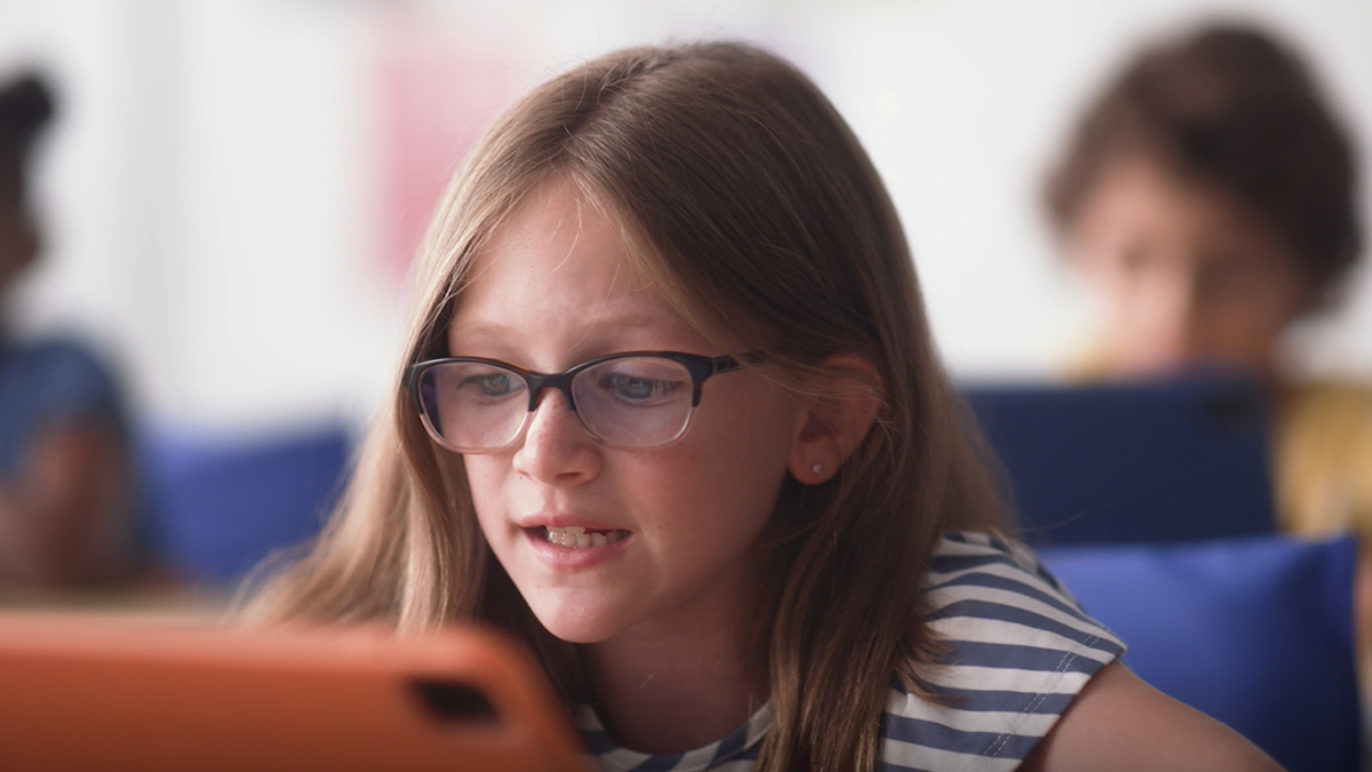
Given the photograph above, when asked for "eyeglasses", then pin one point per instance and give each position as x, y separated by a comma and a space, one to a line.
638, 399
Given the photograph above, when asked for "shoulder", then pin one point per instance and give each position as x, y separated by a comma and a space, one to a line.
983, 588
1016, 651
57, 352
1323, 452
1330, 400
58, 370
44, 383
1118, 722
1030, 681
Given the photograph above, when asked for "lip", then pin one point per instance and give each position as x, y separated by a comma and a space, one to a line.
568, 558
565, 520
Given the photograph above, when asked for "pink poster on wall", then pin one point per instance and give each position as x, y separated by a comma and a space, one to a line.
436, 94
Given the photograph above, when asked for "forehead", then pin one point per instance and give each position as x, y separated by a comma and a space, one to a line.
1145, 196
559, 267
555, 238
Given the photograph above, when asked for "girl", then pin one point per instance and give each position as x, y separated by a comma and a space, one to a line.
671, 414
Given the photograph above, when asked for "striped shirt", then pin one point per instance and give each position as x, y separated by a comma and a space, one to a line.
1019, 651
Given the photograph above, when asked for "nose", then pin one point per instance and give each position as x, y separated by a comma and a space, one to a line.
556, 448
1176, 328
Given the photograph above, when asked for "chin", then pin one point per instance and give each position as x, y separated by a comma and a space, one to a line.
575, 623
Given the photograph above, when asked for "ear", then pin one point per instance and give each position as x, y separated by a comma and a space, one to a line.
839, 412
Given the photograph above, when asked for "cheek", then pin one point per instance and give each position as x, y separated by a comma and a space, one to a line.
1261, 307
732, 472
485, 479
1251, 332
1286, 297
1117, 289
721, 487
700, 517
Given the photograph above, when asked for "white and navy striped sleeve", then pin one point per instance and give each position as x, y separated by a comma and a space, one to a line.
1017, 648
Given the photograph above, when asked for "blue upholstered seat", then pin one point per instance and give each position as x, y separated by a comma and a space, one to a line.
217, 505
1256, 632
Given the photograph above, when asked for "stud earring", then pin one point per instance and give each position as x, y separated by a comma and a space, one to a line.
816, 468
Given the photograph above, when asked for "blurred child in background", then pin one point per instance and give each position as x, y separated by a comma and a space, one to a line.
1209, 194
67, 498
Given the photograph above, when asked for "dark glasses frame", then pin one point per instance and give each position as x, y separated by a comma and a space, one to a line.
700, 368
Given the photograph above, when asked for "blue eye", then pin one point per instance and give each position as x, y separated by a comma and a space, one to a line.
637, 389
490, 385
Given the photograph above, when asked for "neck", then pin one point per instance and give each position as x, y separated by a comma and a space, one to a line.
672, 690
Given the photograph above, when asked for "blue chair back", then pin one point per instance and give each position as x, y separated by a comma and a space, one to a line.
216, 506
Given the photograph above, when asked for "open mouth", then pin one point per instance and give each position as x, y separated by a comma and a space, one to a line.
576, 537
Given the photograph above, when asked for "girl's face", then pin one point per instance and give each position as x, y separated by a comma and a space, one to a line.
555, 287
1187, 277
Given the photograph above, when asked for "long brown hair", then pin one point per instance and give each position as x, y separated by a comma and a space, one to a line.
755, 210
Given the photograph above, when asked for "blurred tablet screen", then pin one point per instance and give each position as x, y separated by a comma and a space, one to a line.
1149, 462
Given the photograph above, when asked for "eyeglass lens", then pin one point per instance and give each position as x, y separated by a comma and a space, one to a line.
629, 402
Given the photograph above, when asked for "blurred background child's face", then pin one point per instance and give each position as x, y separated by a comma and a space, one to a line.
18, 232
1187, 277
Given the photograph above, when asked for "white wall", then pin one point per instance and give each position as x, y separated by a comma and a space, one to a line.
211, 188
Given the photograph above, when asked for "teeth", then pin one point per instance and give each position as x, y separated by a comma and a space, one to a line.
576, 537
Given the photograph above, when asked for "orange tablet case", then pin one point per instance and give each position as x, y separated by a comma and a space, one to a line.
82, 693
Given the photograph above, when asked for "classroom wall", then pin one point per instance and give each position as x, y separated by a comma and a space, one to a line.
235, 186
